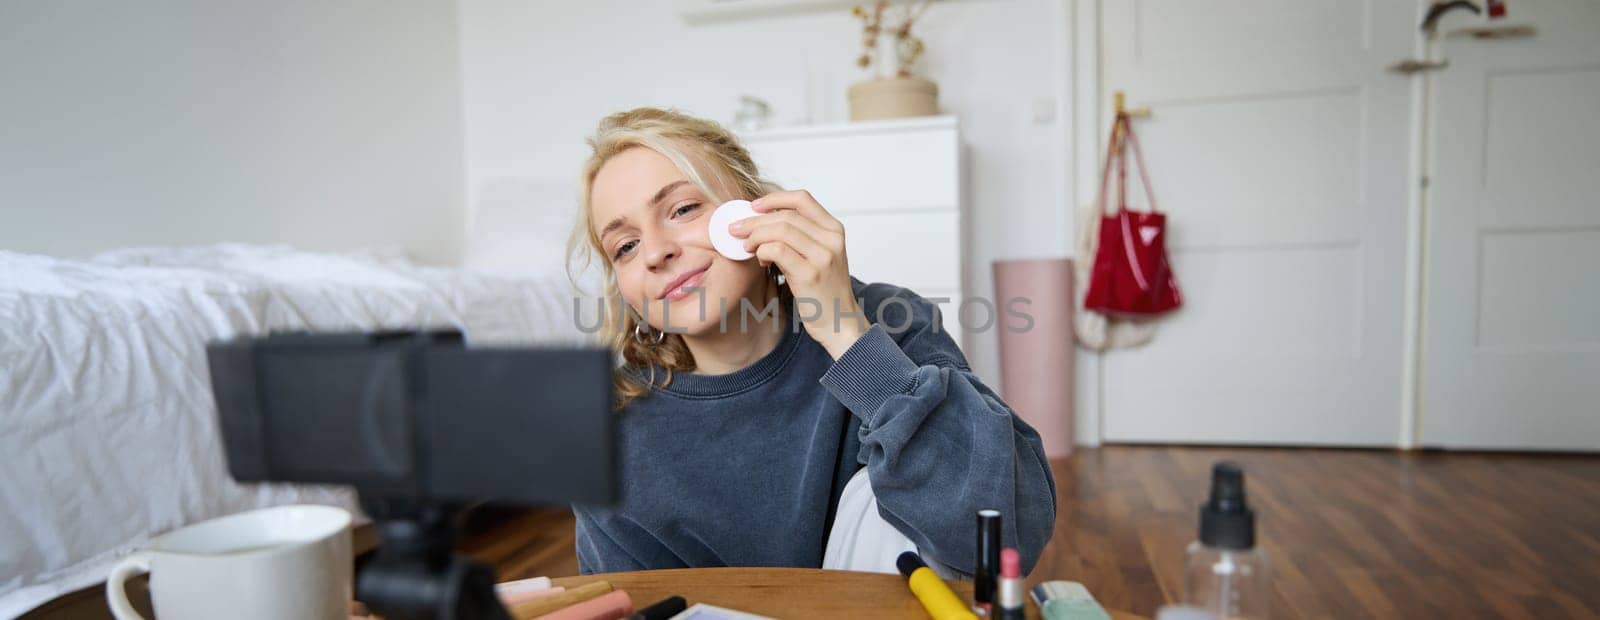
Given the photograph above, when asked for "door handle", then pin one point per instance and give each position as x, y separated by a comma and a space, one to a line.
1412, 65
1493, 32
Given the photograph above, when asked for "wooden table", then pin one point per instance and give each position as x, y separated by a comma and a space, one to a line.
784, 592
777, 592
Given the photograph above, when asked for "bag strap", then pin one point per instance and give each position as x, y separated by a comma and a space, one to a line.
1122, 137
1122, 164
1144, 173
1113, 156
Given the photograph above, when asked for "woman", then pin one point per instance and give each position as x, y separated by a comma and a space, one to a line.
750, 399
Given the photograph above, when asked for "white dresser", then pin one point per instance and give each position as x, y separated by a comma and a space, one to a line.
896, 186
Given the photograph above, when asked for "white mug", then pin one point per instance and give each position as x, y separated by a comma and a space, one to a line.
281, 562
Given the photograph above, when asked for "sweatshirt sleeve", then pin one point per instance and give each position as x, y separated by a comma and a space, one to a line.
597, 551
939, 446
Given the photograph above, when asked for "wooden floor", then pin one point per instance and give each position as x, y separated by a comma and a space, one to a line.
1352, 534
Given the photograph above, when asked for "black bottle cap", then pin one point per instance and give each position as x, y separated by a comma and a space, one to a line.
1226, 521
909, 562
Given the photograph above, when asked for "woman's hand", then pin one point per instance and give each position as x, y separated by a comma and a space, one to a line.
806, 242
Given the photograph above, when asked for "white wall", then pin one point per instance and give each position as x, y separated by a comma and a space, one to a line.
538, 76
328, 125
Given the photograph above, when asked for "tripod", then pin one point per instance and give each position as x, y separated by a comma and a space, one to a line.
416, 575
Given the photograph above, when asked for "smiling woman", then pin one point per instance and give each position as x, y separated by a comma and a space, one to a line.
752, 402
659, 251
651, 173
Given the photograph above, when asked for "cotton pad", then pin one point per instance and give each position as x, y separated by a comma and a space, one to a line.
724, 241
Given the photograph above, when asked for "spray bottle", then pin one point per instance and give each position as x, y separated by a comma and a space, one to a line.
1225, 573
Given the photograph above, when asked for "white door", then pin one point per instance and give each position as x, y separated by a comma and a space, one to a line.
1279, 149
1511, 337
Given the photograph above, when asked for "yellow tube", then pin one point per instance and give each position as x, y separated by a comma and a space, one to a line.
936, 597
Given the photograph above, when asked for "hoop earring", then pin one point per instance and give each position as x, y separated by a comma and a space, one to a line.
660, 336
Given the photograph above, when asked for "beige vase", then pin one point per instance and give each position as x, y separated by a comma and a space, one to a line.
893, 98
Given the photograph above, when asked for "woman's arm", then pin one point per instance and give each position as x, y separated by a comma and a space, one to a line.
939, 446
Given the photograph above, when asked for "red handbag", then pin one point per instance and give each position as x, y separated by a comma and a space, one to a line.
1131, 274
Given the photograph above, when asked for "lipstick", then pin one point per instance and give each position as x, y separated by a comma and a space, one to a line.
1010, 603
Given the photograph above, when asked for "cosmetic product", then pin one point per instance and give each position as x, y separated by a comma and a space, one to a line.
527, 595
609, 606
661, 610
1225, 573
522, 585
546, 604
1067, 600
1010, 605
988, 556
513, 592
1180, 612
724, 241
936, 597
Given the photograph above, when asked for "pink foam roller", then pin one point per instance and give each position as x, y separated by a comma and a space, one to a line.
1036, 370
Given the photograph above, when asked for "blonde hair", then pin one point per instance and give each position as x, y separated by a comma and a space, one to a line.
711, 158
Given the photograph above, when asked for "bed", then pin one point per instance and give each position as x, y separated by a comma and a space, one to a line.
107, 426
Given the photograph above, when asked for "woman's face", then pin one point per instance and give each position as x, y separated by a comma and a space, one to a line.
652, 226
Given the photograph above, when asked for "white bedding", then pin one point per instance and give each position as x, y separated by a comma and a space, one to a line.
107, 424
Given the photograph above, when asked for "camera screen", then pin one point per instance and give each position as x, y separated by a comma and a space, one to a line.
418, 415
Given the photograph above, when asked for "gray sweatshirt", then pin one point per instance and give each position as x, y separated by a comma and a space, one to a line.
746, 468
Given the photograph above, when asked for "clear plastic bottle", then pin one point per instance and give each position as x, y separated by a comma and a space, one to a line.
1225, 573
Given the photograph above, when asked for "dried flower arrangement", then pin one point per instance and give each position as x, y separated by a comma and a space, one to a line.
907, 47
